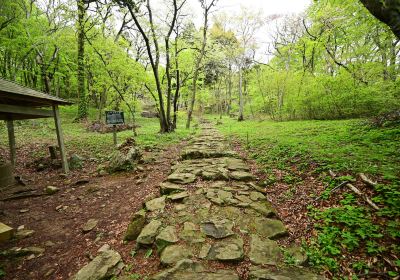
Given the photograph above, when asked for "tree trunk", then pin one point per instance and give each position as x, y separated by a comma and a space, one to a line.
83, 107
241, 103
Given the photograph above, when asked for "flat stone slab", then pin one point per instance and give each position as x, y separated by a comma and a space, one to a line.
190, 270
174, 253
182, 178
136, 225
241, 176
90, 225
6, 232
289, 273
264, 251
149, 233
178, 196
104, 266
227, 250
264, 208
217, 228
166, 237
156, 204
271, 228
169, 188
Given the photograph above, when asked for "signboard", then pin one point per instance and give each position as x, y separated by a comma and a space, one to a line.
115, 117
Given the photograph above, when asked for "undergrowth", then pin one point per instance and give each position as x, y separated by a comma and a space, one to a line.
351, 240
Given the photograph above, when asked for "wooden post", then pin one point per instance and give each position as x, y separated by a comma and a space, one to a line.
60, 139
11, 140
115, 134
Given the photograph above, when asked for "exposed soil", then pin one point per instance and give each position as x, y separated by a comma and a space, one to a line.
110, 199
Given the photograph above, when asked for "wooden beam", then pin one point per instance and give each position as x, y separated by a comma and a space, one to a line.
12, 109
11, 141
60, 139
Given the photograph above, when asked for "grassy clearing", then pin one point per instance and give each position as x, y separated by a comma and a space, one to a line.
341, 145
350, 238
83, 142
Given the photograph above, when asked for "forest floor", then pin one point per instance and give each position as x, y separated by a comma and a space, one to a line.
306, 168
57, 219
291, 160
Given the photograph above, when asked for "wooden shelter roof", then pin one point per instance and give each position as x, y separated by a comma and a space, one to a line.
18, 102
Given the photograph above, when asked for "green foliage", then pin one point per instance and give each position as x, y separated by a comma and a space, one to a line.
148, 253
348, 146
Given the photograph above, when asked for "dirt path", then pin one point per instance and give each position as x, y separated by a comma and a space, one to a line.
211, 222
57, 219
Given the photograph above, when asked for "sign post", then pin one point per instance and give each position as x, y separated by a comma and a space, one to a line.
115, 118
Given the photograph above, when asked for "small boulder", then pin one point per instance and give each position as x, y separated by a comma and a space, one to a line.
51, 190
107, 264
217, 228
166, 237
156, 204
75, 162
149, 233
136, 225
89, 226
264, 251
174, 253
182, 178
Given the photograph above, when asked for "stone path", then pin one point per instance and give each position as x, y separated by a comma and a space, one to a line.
213, 222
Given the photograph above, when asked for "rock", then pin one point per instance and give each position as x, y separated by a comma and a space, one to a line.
287, 273
136, 225
168, 188
122, 162
191, 234
297, 254
234, 164
180, 207
181, 178
241, 176
174, 253
224, 195
104, 248
156, 204
217, 228
20, 252
33, 250
89, 226
264, 252
178, 196
273, 229
166, 237
244, 199
189, 270
75, 162
227, 250
51, 190
263, 207
183, 265
205, 249
49, 243
256, 196
149, 233
104, 266
6, 232
24, 233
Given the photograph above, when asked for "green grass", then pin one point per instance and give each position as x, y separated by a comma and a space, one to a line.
85, 143
346, 228
341, 145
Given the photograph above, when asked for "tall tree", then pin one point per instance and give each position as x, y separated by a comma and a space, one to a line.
206, 7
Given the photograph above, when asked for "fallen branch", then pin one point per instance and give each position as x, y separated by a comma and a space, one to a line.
367, 180
366, 198
334, 189
357, 191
